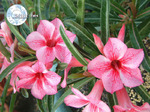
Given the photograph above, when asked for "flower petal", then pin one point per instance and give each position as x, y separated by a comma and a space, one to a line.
114, 49
26, 83
121, 34
57, 23
25, 72
131, 77
111, 81
52, 78
123, 98
97, 91
63, 54
103, 107
46, 29
37, 89
49, 89
118, 108
7, 31
132, 58
98, 43
64, 82
35, 40
75, 101
78, 93
88, 108
99, 65
45, 54
39, 67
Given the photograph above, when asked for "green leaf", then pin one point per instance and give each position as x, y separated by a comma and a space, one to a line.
117, 7
37, 10
144, 28
68, 7
105, 4
138, 44
31, 22
12, 102
143, 93
68, 92
13, 65
76, 76
83, 34
15, 31
5, 92
72, 49
40, 105
50, 102
143, 13
143, 3
92, 5
80, 12
4, 51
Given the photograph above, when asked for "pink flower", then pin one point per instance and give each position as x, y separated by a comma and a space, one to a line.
118, 65
38, 79
47, 42
125, 104
93, 102
5, 32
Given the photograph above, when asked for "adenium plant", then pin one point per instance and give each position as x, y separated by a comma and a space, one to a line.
73, 43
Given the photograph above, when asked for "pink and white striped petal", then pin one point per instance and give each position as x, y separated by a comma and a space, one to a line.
45, 54
39, 67
96, 92
46, 29
114, 49
131, 77
52, 78
111, 81
25, 72
132, 58
37, 89
75, 101
35, 40
99, 65
26, 83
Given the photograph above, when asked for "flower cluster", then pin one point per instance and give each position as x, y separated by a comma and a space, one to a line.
116, 67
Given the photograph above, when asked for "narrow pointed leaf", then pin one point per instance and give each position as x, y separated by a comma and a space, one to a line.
72, 49
80, 12
77, 86
117, 7
4, 51
14, 30
105, 5
11, 66
143, 93
12, 102
144, 28
143, 13
68, 7
5, 92
138, 44
83, 34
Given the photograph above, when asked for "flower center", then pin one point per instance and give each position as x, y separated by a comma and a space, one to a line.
51, 43
39, 75
115, 64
